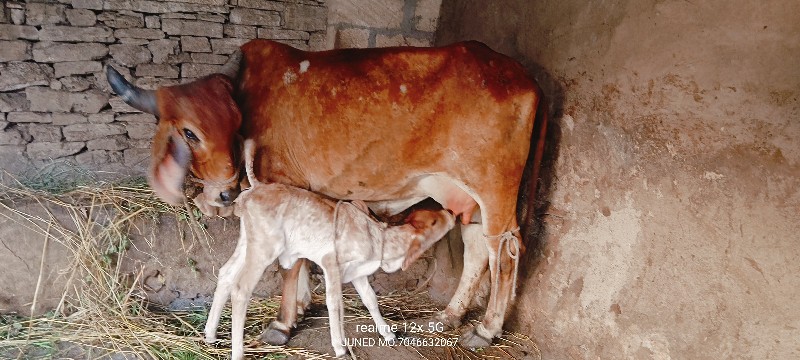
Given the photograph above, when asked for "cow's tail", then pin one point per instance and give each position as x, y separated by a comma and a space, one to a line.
249, 155
537, 142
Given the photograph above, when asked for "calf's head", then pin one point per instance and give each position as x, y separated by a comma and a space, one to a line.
197, 133
429, 227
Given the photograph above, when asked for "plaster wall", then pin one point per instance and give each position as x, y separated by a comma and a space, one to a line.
670, 204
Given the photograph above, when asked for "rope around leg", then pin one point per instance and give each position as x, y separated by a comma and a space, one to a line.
511, 244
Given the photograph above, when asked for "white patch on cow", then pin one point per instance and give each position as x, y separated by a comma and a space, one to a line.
304, 66
289, 77
393, 207
403, 89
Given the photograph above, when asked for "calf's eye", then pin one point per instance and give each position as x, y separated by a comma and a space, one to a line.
190, 135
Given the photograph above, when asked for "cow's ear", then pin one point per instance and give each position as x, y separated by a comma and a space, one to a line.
170, 161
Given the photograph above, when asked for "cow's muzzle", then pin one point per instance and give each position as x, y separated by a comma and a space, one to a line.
220, 197
227, 196
219, 194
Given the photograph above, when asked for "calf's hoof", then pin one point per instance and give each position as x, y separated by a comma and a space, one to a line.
340, 351
473, 339
391, 339
209, 339
276, 334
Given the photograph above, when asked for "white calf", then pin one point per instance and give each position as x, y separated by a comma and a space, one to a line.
287, 223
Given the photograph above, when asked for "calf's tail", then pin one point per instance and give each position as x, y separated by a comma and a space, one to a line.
249, 155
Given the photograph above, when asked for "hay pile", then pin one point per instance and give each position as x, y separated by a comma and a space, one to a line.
104, 312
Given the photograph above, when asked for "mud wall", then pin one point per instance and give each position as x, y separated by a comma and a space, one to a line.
670, 204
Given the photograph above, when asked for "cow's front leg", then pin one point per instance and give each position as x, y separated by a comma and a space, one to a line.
295, 298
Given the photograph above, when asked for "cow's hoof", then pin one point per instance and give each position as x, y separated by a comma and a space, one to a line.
210, 339
274, 335
449, 322
437, 323
473, 339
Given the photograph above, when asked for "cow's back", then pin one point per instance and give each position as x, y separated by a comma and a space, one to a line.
342, 122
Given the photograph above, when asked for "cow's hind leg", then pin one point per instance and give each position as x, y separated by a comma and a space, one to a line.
475, 261
504, 248
295, 297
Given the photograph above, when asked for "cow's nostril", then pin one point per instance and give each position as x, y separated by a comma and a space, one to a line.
225, 196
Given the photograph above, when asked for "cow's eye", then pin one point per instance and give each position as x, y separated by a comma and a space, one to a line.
190, 135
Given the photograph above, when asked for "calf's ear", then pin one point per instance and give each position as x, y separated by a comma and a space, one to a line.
361, 206
170, 161
415, 250
412, 254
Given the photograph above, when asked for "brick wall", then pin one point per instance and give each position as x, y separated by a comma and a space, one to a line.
55, 104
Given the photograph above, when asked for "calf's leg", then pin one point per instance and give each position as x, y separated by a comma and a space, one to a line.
333, 300
225, 282
370, 300
256, 261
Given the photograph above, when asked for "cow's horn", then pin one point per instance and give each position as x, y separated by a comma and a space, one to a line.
231, 68
140, 99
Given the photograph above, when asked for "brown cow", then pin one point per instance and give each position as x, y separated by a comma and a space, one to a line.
389, 126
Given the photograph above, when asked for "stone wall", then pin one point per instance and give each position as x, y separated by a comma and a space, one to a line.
55, 104
380, 23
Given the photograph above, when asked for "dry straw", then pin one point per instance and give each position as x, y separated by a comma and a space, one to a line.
103, 311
